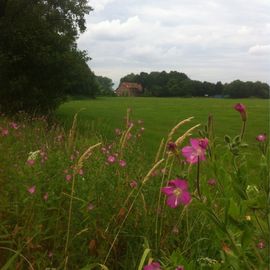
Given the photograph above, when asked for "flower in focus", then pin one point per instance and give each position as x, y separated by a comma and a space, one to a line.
177, 193
111, 159
242, 109
261, 137
32, 189
122, 163
212, 182
196, 151
152, 266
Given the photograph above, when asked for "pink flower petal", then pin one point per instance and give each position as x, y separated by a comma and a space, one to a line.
195, 143
180, 183
168, 190
152, 266
185, 198
32, 189
173, 201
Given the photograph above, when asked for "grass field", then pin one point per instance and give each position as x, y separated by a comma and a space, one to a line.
83, 197
161, 114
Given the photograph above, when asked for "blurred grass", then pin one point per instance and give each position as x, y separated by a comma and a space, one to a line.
161, 114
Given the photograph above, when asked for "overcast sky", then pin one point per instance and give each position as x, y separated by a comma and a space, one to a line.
211, 40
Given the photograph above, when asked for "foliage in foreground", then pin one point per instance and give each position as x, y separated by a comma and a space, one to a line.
72, 202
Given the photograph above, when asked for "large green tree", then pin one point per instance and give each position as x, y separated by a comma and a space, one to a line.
105, 85
39, 60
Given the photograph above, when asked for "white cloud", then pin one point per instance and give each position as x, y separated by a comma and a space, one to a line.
99, 5
112, 30
209, 40
260, 50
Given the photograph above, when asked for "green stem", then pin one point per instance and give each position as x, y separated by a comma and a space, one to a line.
243, 130
69, 218
198, 178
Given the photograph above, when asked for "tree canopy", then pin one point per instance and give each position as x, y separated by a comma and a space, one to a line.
105, 86
176, 84
39, 60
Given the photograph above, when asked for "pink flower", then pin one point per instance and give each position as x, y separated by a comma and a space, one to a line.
50, 254
129, 135
4, 132
177, 193
175, 230
117, 131
122, 163
152, 266
90, 207
133, 184
242, 109
196, 151
32, 189
68, 177
261, 137
261, 244
111, 159
104, 150
211, 182
14, 125
180, 267
31, 162
130, 124
80, 172
45, 196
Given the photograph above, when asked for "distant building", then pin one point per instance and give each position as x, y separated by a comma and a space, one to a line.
128, 89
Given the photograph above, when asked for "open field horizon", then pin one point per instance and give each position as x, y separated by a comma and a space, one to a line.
159, 115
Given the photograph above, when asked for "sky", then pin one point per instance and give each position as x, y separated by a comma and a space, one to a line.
209, 40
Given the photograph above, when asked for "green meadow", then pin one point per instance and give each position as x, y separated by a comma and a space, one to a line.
161, 114
76, 194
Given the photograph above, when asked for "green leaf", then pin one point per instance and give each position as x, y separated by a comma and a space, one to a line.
227, 139
145, 254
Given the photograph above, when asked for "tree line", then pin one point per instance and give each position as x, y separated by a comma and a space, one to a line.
40, 64
177, 84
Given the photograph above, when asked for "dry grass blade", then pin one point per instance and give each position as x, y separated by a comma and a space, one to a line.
86, 155
152, 170
185, 135
159, 150
72, 131
124, 140
130, 208
174, 129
